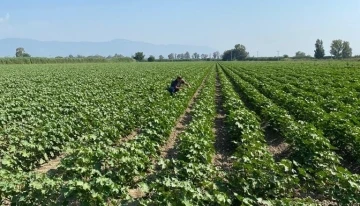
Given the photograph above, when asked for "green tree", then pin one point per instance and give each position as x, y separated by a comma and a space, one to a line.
340, 49
204, 56
300, 54
187, 55
216, 55
239, 53
336, 48
151, 58
139, 56
171, 56
118, 55
347, 50
180, 56
319, 49
19, 52
196, 55
286, 56
161, 57
26, 55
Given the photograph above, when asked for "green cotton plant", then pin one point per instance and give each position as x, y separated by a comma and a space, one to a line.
34, 188
96, 107
312, 152
192, 179
256, 174
85, 112
280, 119
335, 124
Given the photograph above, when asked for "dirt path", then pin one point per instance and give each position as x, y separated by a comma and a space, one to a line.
131, 136
54, 163
224, 146
276, 143
169, 150
50, 165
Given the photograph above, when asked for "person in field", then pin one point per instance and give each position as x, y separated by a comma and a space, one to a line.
176, 85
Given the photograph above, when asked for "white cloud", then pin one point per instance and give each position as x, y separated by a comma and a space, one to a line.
5, 19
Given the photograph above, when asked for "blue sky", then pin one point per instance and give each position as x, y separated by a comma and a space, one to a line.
261, 25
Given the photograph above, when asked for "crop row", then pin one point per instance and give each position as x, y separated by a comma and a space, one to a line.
191, 178
322, 79
85, 112
94, 170
317, 166
255, 174
330, 102
342, 133
344, 99
53, 111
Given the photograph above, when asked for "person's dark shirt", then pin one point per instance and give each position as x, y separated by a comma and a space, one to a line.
177, 83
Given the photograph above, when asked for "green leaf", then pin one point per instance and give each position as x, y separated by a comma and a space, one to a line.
144, 187
36, 185
6, 162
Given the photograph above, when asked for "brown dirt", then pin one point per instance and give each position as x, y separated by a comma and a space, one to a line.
224, 146
276, 144
326, 203
318, 198
131, 136
136, 193
169, 151
5, 202
50, 165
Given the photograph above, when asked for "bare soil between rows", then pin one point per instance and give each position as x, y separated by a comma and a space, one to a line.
276, 144
50, 165
224, 146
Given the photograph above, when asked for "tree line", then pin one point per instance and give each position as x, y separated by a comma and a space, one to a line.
140, 56
20, 52
338, 49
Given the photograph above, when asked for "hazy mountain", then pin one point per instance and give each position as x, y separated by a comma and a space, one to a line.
119, 46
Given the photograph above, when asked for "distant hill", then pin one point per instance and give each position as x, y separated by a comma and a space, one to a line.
120, 46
